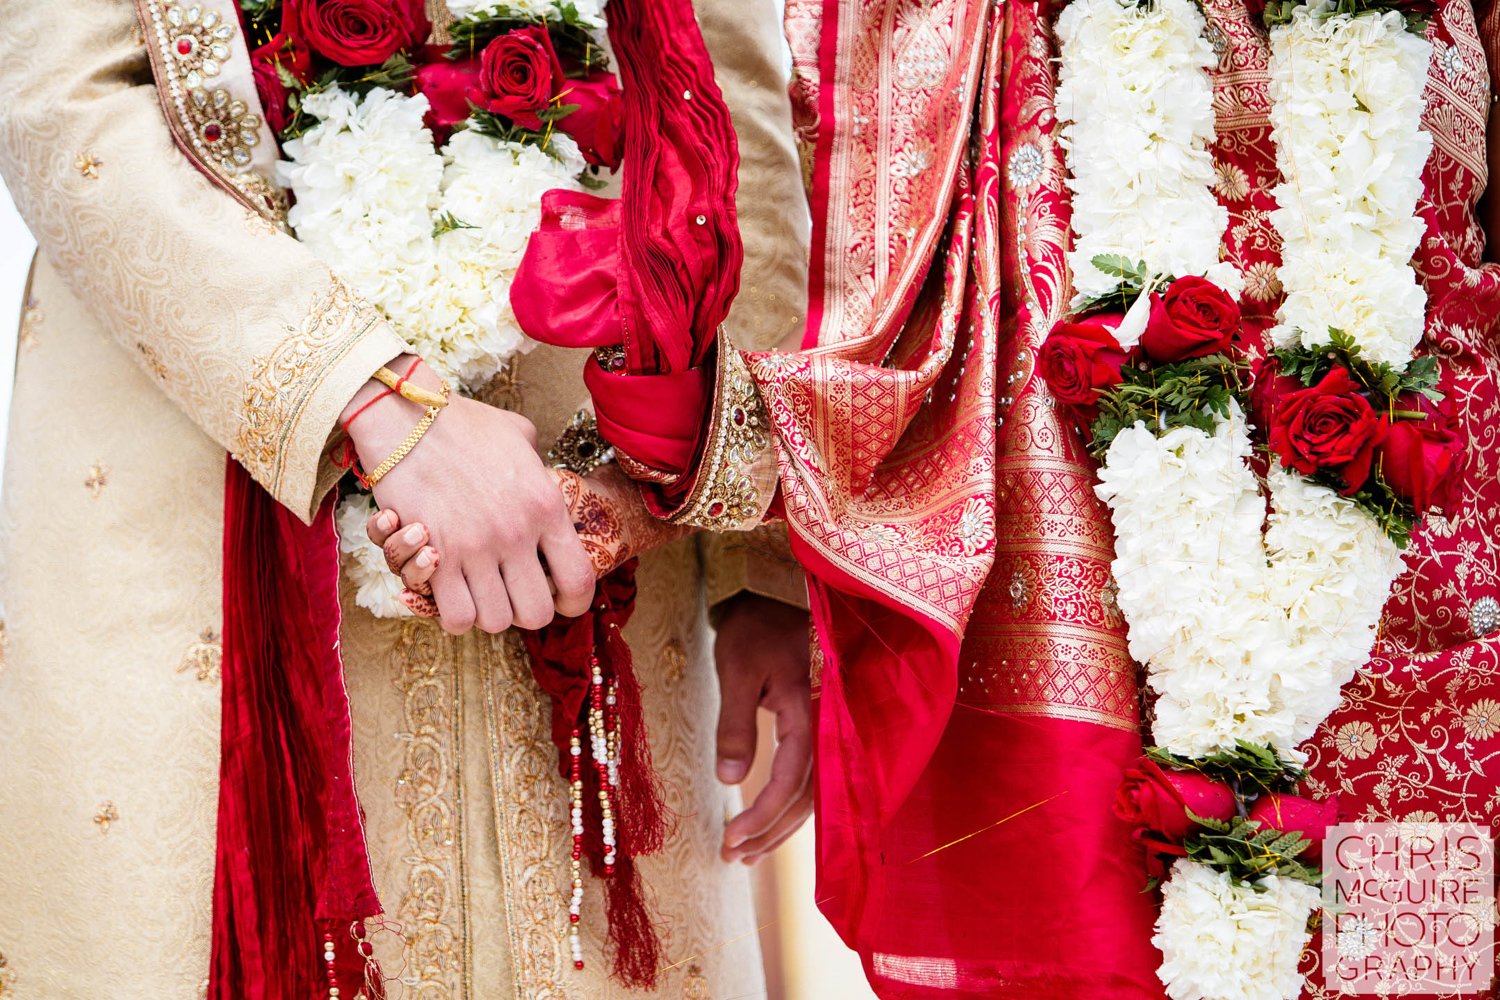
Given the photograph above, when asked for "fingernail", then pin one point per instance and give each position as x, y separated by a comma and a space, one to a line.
413, 534
732, 771
424, 560
736, 842
387, 520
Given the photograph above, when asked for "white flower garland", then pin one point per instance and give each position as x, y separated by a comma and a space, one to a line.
1136, 105
1220, 940
1347, 101
590, 12
371, 193
1247, 636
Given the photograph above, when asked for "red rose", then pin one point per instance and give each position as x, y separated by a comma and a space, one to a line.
1195, 318
518, 76
1329, 426
1159, 800
1292, 812
1160, 852
283, 52
359, 32
1269, 385
598, 126
1079, 359
1420, 459
446, 85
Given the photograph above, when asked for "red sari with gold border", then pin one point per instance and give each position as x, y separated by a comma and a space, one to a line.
991, 864
1002, 872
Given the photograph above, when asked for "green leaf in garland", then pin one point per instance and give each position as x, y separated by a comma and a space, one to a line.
1252, 769
448, 223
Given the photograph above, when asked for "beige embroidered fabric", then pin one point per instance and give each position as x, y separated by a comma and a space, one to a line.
167, 322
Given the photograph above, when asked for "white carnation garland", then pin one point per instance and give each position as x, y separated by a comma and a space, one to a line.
432, 238
1248, 637
1346, 208
1136, 103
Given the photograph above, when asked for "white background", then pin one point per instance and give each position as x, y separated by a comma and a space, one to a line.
15, 260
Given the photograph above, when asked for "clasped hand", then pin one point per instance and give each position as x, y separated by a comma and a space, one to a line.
493, 525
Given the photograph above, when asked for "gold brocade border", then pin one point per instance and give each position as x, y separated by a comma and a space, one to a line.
433, 907
285, 380
1047, 637
530, 803
899, 219
737, 476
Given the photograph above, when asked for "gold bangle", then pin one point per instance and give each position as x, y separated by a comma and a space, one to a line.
408, 391
404, 448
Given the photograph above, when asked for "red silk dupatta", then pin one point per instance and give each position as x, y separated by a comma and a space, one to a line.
978, 702
292, 879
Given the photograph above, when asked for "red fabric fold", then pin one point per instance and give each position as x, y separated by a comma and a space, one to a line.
291, 870
656, 271
562, 656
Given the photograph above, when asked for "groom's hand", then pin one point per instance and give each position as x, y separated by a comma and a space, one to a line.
489, 505
764, 657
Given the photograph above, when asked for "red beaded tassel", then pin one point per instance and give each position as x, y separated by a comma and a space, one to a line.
349, 963
615, 806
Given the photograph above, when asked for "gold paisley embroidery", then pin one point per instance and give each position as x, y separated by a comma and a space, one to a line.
31, 320
530, 809
283, 381
695, 984
674, 662
7, 977
430, 912
152, 360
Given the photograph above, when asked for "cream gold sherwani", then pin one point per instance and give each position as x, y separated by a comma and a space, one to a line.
168, 320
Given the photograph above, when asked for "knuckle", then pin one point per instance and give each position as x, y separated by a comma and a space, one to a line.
532, 620
457, 623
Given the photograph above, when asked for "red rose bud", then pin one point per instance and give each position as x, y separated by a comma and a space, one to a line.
598, 125
1327, 427
1269, 385
1193, 319
1292, 812
282, 53
1160, 852
1079, 359
1420, 459
446, 85
1159, 800
518, 76
359, 32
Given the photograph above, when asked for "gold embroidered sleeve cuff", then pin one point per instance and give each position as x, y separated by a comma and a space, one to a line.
736, 480
296, 392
